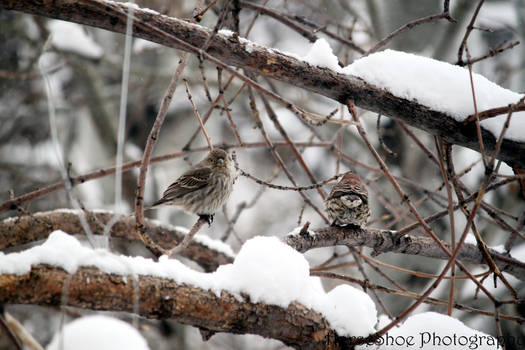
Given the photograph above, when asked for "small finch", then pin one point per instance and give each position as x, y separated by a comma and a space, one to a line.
347, 203
204, 187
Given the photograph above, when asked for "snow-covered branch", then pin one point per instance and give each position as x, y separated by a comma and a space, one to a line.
242, 53
209, 254
161, 298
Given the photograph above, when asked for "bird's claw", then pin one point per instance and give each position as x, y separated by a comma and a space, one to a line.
207, 217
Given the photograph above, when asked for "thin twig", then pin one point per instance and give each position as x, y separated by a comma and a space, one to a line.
208, 114
409, 26
16, 327
197, 115
273, 117
478, 125
381, 140
187, 238
494, 112
230, 120
470, 27
277, 157
450, 217
10, 334
491, 53
432, 301
289, 188
150, 144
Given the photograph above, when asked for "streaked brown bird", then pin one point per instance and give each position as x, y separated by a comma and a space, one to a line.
204, 187
347, 203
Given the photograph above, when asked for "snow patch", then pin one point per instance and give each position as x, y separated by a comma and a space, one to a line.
98, 332
71, 37
440, 86
321, 54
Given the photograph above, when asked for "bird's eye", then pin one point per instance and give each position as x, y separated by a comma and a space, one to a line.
220, 160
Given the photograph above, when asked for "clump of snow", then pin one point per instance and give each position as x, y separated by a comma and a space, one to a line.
71, 37
266, 269
215, 244
98, 332
226, 32
433, 331
321, 54
141, 45
134, 6
348, 307
439, 85
248, 44
298, 230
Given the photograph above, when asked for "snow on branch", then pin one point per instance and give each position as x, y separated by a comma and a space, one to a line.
206, 252
161, 298
340, 86
267, 290
210, 254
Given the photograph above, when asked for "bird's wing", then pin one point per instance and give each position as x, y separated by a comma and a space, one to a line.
190, 181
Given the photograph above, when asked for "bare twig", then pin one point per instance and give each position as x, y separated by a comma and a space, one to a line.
409, 26
431, 301
381, 140
276, 155
478, 126
10, 334
494, 112
492, 52
451, 220
470, 27
289, 188
22, 333
197, 115
187, 238
150, 143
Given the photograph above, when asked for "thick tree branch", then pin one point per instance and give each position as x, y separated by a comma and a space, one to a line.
170, 31
385, 241
161, 298
26, 229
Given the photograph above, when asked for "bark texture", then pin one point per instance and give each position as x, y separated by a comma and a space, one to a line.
160, 298
30, 228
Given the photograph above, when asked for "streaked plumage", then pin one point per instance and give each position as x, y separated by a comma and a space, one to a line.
347, 203
204, 187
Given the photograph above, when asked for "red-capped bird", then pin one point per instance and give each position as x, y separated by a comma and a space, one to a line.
347, 203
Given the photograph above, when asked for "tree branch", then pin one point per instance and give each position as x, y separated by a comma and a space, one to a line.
26, 229
230, 50
161, 298
385, 241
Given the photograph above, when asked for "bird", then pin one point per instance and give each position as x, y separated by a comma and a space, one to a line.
347, 203
204, 187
